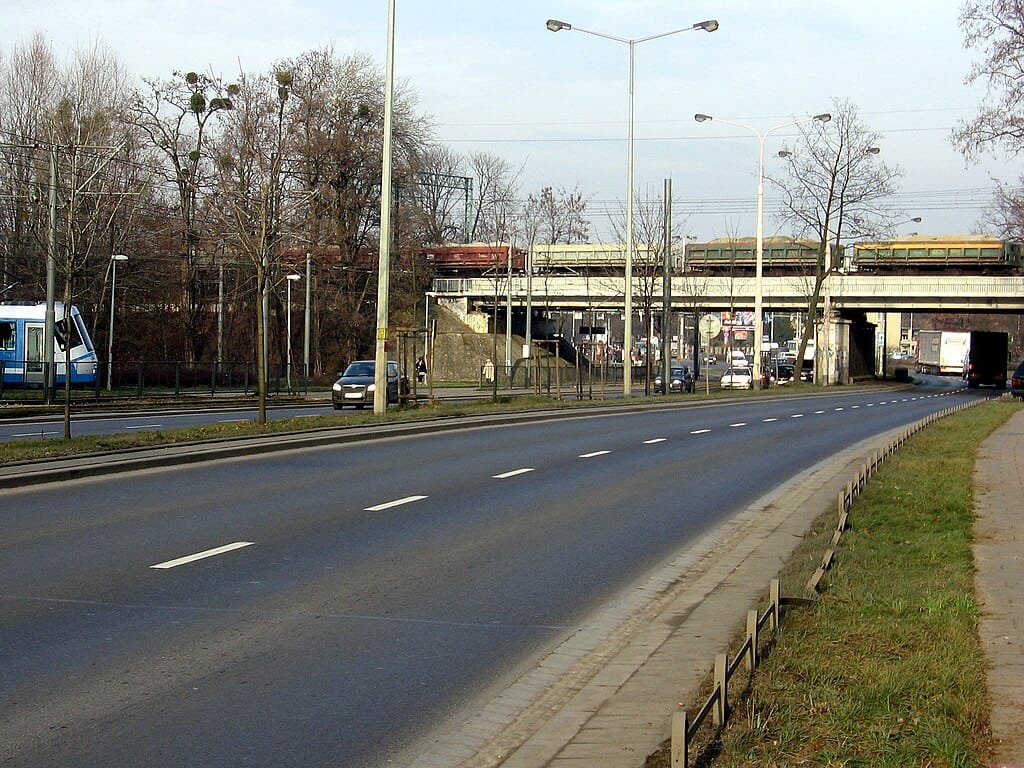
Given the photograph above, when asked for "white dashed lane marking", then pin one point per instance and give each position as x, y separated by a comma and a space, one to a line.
513, 473
203, 555
654, 440
592, 454
395, 503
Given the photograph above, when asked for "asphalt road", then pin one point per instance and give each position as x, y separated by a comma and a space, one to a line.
350, 598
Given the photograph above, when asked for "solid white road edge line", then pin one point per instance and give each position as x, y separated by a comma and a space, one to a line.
203, 555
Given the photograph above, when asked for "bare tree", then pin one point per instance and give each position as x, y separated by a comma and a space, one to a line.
441, 193
497, 188
177, 116
495, 219
93, 92
834, 188
29, 79
251, 191
561, 215
334, 116
648, 256
995, 28
1007, 213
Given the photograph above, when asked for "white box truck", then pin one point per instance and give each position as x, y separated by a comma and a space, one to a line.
942, 352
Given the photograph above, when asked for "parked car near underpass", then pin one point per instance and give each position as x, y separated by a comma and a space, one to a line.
356, 385
680, 380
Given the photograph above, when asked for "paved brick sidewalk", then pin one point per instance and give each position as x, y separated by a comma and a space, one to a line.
999, 557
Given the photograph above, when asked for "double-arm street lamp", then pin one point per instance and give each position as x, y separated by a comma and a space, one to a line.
557, 26
759, 245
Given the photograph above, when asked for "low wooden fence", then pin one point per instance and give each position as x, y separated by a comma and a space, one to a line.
685, 728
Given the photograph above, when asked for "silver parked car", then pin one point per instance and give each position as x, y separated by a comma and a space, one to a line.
356, 385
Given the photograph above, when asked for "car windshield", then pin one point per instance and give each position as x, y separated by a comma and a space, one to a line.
363, 368
738, 372
679, 372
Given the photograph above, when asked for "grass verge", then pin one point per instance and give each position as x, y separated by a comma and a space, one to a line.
886, 669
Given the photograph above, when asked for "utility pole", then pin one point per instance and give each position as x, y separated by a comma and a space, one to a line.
666, 293
51, 285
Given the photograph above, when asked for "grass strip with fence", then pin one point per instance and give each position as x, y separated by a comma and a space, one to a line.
886, 667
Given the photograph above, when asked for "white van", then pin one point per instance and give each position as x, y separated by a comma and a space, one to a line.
738, 358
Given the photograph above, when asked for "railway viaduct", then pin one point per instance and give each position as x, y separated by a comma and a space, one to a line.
849, 296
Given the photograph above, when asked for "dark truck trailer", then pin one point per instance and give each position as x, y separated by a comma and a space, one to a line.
986, 361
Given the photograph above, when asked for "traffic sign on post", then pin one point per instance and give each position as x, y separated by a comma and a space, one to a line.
709, 326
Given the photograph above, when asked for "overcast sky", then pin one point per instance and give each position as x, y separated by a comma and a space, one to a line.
494, 79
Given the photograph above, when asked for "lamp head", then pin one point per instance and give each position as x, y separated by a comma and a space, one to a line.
708, 26
916, 219
824, 117
785, 153
557, 26
872, 151
119, 257
293, 277
702, 118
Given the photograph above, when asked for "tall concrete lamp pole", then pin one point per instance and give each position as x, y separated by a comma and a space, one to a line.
380, 373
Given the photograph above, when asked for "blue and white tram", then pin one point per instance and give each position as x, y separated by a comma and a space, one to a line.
22, 329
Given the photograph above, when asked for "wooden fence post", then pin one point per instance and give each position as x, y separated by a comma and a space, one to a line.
680, 740
752, 636
775, 590
721, 685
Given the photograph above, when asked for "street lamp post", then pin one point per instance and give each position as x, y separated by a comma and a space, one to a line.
380, 372
557, 26
288, 327
110, 331
759, 245
306, 319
